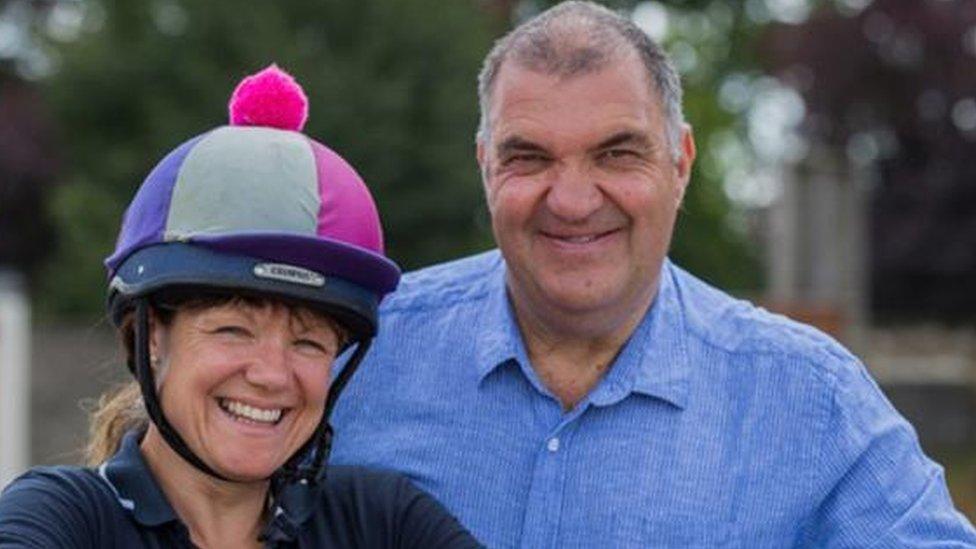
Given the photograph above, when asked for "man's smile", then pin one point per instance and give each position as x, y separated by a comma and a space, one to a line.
579, 239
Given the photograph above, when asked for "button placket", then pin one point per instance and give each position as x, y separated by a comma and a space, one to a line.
553, 445
544, 511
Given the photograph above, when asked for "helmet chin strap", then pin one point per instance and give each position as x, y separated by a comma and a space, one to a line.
147, 384
294, 486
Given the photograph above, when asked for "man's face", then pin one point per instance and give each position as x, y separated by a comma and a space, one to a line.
581, 185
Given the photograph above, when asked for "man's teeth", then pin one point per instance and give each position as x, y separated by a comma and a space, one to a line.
579, 239
250, 412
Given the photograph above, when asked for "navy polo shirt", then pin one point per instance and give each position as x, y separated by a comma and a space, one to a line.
120, 505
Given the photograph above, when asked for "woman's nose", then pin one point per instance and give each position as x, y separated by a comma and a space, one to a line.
269, 367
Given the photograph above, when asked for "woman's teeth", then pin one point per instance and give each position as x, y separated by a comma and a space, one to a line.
250, 412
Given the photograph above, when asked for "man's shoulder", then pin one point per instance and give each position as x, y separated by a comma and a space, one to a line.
743, 328
447, 284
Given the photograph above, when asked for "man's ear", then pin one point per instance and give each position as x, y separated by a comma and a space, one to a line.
481, 155
686, 160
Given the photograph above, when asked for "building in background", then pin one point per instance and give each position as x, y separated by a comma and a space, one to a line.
873, 236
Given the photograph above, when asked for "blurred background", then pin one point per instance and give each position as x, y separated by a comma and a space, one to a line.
836, 180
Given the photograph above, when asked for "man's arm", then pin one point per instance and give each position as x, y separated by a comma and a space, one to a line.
882, 491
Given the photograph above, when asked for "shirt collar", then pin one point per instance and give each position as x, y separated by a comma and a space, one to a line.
501, 342
653, 362
130, 478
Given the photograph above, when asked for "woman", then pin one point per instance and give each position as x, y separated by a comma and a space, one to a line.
249, 259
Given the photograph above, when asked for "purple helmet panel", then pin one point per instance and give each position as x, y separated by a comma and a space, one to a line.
348, 213
145, 219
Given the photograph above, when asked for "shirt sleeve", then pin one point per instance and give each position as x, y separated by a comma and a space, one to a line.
882, 491
41, 510
424, 523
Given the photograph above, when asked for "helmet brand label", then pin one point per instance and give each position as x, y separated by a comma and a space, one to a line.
289, 273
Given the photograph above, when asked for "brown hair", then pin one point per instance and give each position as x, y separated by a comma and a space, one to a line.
121, 409
118, 411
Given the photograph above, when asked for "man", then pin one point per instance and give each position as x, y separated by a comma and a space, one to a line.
579, 390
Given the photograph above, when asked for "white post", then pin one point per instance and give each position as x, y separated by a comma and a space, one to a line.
14, 377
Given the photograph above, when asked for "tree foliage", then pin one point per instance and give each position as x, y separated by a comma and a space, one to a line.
28, 162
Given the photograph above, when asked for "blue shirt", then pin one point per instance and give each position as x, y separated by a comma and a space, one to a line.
718, 424
120, 505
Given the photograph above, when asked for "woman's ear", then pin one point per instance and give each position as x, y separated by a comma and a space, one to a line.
157, 339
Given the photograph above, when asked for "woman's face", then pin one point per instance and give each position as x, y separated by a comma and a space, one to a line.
244, 384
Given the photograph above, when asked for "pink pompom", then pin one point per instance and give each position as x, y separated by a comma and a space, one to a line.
269, 98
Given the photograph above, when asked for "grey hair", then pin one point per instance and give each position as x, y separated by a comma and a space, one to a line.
576, 38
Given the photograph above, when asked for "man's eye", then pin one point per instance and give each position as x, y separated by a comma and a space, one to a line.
528, 157
525, 163
617, 154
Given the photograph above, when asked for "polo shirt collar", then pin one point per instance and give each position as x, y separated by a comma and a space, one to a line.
654, 361
128, 474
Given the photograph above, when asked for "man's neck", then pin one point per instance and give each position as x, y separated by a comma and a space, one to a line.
571, 352
217, 513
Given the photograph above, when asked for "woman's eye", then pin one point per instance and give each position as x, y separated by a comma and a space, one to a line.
311, 345
232, 330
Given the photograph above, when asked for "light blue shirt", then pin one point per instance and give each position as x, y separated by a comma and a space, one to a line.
718, 424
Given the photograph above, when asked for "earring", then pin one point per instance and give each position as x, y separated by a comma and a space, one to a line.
154, 361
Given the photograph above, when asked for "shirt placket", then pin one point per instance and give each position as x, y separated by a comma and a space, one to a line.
545, 502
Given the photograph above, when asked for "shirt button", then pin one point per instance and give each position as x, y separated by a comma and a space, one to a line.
553, 444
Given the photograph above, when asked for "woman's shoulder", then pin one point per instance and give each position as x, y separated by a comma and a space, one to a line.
58, 505
59, 486
382, 492
391, 510
375, 494
345, 478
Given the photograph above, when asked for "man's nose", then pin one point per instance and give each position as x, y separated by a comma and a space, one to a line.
574, 193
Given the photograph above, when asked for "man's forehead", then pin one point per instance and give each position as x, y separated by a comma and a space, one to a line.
528, 106
513, 71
